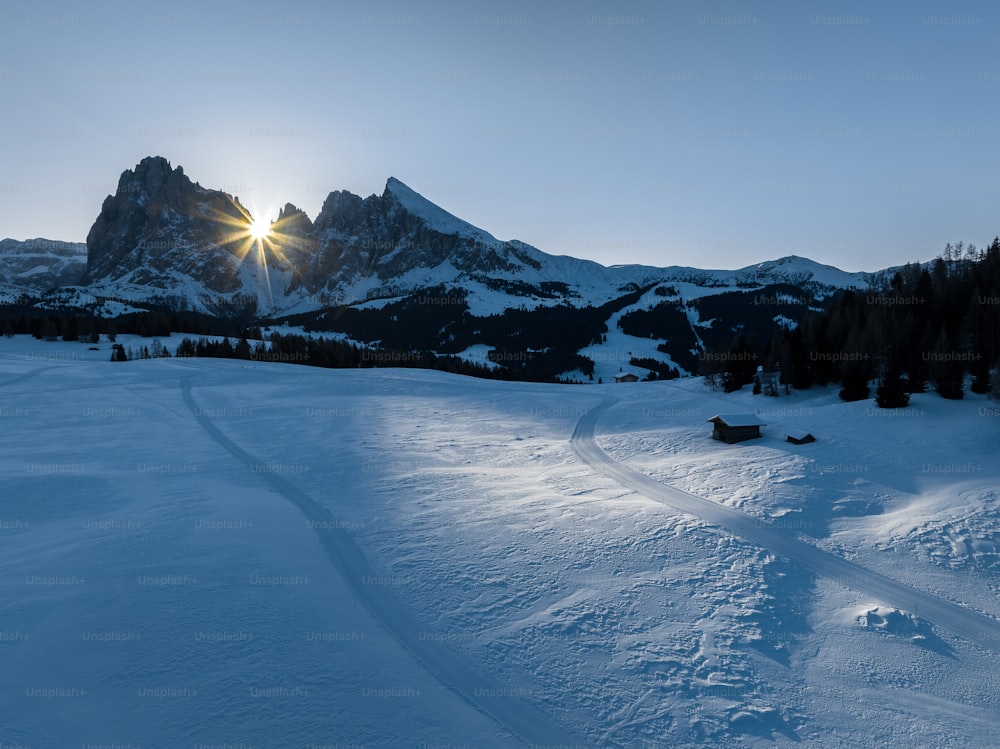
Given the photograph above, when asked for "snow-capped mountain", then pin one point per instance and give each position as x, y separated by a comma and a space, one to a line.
408, 271
400, 242
162, 238
36, 266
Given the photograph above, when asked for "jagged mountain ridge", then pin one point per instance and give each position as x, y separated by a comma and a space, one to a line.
164, 241
399, 233
36, 266
165, 236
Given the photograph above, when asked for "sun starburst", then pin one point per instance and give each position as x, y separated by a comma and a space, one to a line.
262, 242
259, 229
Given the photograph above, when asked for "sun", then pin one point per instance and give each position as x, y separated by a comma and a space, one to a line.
259, 229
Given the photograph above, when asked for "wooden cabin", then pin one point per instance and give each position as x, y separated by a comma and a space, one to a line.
732, 428
800, 438
626, 377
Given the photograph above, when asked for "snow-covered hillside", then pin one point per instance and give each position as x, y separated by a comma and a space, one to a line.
222, 553
36, 266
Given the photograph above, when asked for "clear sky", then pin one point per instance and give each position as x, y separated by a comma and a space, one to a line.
706, 133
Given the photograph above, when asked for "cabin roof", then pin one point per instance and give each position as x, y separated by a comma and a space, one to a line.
737, 420
798, 434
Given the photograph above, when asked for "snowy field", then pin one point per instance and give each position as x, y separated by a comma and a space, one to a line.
209, 554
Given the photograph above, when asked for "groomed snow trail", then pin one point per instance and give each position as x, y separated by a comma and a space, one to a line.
512, 713
971, 626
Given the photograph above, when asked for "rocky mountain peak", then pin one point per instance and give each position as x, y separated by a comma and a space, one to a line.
159, 224
293, 221
154, 176
162, 236
370, 242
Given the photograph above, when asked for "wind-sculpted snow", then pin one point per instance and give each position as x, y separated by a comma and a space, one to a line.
199, 552
503, 704
976, 628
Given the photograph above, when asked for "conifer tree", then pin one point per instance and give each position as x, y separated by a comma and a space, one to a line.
242, 350
892, 390
854, 383
947, 369
981, 376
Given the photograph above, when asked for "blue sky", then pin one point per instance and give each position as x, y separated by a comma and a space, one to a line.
714, 134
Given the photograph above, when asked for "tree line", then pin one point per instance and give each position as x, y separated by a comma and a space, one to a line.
322, 352
77, 325
924, 326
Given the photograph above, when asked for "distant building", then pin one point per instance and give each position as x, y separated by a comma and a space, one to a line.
732, 428
626, 377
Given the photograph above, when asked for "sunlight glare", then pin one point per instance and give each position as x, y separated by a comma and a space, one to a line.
259, 229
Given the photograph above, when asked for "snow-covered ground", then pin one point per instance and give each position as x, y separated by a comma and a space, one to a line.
249, 554
612, 356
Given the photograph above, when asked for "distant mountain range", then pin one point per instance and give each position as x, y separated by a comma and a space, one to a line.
164, 242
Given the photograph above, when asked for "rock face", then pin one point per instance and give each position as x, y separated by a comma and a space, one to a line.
160, 229
391, 235
293, 245
416, 275
162, 232
39, 265
163, 238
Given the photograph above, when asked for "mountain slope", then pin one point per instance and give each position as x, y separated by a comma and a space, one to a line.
36, 266
163, 235
376, 267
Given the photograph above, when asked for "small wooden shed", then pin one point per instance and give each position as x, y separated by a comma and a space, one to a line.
797, 437
732, 428
626, 377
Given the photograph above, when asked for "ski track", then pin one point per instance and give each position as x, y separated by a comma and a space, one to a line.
971, 626
512, 713
26, 376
